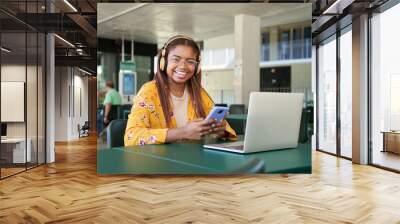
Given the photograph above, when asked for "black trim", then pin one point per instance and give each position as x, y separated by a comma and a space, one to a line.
37, 95
73, 90
385, 168
60, 86
369, 78
329, 153
69, 99
333, 154
46, 35
45, 95
387, 5
338, 73
0, 96
113, 46
316, 96
26, 91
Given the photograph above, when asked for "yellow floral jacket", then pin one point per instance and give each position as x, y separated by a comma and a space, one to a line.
146, 122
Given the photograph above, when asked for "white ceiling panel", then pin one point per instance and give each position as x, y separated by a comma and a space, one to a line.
155, 23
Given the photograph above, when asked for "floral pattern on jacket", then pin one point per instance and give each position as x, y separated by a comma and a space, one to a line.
146, 122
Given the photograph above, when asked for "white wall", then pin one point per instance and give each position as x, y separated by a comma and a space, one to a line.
15, 72
218, 81
71, 94
33, 127
301, 76
61, 103
220, 42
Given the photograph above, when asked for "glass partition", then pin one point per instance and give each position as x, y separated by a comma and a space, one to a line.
327, 96
346, 93
22, 89
385, 89
13, 96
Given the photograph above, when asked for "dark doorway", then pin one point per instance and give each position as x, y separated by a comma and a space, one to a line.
276, 79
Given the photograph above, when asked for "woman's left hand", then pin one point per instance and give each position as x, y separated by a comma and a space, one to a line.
218, 128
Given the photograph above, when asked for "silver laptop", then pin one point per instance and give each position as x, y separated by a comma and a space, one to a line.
273, 122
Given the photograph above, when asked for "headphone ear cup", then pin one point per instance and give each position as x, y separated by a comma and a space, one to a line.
198, 70
162, 60
162, 63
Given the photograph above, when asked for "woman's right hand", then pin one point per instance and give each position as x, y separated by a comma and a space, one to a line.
195, 129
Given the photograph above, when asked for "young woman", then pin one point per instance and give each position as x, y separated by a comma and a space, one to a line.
173, 106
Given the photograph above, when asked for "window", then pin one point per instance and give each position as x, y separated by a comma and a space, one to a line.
265, 46
327, 96
385, 88
307, 43
297, 43
292, 44
346, 94
284, 45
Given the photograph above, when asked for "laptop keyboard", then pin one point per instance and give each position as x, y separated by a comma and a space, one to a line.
238, 147
233, 145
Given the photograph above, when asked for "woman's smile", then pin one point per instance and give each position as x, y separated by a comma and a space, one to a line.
180, 74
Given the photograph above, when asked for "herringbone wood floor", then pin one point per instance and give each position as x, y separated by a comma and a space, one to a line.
69, 191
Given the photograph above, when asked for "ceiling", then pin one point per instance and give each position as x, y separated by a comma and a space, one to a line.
155, 23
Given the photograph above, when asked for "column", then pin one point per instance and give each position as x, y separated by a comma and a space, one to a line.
273, 43
360, 90
247, 57
50, 99
50, 92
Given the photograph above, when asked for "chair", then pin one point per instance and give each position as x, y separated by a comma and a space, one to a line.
303, 136
237, 109
254, 166
124, 110
237, 125
116, 132
221, 105
83, 131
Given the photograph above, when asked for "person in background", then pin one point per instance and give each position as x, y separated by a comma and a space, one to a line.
174, 105
111, 101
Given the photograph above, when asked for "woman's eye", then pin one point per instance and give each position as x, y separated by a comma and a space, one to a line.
191, 62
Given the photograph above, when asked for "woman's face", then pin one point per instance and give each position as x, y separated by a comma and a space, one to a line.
181, 64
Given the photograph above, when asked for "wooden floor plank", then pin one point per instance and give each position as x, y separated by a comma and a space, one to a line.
70, 191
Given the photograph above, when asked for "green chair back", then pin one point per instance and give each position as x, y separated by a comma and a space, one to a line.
116, 132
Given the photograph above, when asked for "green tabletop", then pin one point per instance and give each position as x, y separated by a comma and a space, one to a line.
236, 117
192, 158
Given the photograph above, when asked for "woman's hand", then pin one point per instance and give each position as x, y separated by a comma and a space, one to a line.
195, 129
218, 128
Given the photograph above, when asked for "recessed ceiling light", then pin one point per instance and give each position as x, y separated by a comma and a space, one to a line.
5, 50
84, 71
70, 5
64, 40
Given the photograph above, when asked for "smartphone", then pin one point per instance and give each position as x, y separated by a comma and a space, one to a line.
217, 113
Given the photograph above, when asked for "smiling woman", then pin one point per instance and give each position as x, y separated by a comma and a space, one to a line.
173, 106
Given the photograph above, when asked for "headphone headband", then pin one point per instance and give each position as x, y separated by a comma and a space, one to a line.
163, 60
170, 40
